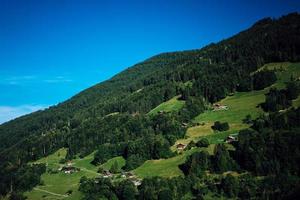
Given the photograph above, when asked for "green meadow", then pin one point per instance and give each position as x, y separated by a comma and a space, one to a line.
56, 185
166, 167
169, 106
240, 104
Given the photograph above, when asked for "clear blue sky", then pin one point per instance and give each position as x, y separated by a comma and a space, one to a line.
52, 49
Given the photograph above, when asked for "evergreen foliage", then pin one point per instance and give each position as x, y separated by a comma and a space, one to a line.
263, 79
111, 117
219, 126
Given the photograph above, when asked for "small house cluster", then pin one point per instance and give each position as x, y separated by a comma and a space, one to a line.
133, 178
69, 169
180, 147
231, 139
107, 174
127, 175
218, 107
184, 124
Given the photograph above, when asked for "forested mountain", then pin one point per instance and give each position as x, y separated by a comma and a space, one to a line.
112, 116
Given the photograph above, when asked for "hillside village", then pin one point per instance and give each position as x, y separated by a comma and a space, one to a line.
70, 168
174, 126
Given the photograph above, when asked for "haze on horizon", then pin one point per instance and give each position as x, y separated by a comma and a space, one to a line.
52, 49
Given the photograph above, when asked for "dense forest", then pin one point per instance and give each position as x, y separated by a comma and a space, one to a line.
269, 150
112, 117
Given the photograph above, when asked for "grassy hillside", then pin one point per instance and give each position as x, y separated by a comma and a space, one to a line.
232, 58
56, 185
284, 71
169, 106
239, 105
166, 167
89, 121
120, 160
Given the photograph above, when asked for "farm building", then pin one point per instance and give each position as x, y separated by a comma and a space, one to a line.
130, 175
218, 106
136, 181
133, 178
106, 174
180, 146
184, 124
230, 139
123, 174
69, 169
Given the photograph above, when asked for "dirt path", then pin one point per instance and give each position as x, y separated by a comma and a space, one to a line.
55, 194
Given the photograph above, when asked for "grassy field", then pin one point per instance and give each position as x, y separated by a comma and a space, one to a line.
55, 185
284, 71
120, 160
239, 105
296, 102
166, 167
172, 105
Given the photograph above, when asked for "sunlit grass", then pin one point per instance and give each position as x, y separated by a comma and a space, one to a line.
172, 105
59, 183
240, 105
164, 167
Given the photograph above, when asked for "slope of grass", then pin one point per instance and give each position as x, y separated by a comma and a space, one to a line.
120, 160
168, 167
284, 71
240, 105
279, 66
171, 105
85, 163
163, 167
296, 102
55, 185
53, 158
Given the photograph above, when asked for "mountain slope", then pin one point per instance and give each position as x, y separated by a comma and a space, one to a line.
240, 105
267, 41
83, 124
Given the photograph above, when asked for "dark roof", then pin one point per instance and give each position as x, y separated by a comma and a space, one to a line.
180, 145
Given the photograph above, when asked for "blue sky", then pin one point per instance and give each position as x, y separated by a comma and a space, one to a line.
52, 49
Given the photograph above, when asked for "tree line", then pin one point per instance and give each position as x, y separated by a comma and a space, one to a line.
86, 121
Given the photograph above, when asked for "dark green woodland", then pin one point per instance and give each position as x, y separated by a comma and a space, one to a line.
112, 118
